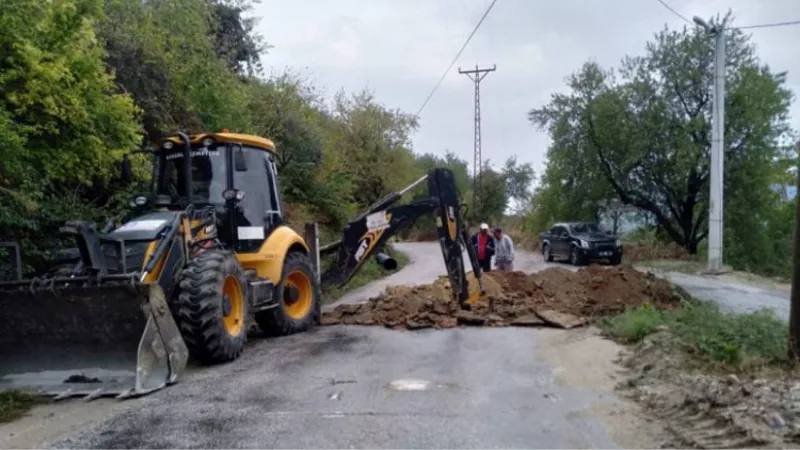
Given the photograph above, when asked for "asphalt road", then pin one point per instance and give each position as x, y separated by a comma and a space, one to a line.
333, 388
731, 294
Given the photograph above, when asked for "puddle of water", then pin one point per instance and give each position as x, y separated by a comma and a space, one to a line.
409, 384
416, 384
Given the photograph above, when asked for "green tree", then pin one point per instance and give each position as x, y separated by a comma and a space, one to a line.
375, 142
519, 178
642, 134
63, 123
493, 196
164, 53
236, 43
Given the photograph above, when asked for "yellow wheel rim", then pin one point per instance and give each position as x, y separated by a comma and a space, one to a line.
234, 320
298, 309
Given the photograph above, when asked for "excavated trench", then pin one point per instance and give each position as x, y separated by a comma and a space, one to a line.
552, 297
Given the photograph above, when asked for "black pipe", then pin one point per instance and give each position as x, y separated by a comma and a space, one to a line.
386, 261
187, 166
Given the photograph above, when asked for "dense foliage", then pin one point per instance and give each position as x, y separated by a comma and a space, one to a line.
640, 136
84, 82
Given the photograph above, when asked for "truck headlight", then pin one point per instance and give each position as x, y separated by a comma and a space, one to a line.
584, 244
618, 243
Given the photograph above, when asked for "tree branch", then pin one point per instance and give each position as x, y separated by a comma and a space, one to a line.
624, 195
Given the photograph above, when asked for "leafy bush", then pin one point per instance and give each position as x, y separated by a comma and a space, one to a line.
734, 340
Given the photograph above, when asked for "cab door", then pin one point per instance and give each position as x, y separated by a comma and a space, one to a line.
559, 241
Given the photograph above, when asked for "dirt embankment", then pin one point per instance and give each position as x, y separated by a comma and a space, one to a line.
556, 297
706, 410
637, 252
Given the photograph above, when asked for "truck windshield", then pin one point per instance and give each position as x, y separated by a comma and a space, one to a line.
209, 168
583, 228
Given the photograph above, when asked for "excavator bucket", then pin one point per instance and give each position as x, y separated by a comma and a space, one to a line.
89, 341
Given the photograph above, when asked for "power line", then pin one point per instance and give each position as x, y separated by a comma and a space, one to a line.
769, 25
747, 27
458, 55
674, 12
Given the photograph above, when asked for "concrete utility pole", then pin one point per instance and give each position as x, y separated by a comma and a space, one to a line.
794, 308
477, 75
717, 148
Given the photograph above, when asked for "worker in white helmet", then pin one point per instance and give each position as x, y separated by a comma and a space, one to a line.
484, 246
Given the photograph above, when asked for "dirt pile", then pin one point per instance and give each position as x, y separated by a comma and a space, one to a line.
712, 410
555, 296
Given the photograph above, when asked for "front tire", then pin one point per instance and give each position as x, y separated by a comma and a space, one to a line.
546, 254
616, 260
212, 307
574, 257
298, 296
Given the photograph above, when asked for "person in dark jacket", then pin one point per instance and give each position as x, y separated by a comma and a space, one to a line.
484, 246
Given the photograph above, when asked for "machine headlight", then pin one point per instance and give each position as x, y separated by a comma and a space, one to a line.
208, 142
231, 194
584, 244
168, 145
140, 200
618, 243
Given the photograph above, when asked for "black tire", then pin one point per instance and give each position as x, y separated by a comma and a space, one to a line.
574, 257
616, 260
548, 257
282, 320
202, 303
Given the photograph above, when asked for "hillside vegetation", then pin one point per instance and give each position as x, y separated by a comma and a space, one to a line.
85, 82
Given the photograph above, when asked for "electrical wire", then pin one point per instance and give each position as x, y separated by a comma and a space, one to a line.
458, 55
746, 27
663, 3
770, 25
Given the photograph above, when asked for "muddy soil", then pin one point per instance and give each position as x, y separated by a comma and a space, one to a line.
711, 411
555, 297
570, 352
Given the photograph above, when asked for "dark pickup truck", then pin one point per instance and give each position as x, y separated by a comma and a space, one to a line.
580, 243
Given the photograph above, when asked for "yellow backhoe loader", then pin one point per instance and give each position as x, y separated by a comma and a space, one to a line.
206, 251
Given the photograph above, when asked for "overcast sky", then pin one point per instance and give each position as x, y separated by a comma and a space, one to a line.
399, 49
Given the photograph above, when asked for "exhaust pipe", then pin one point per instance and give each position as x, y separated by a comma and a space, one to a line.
386, 261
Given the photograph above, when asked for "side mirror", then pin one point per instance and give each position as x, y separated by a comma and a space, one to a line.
239, 160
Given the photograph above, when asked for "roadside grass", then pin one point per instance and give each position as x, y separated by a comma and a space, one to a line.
717, 340
371, 271
14, 404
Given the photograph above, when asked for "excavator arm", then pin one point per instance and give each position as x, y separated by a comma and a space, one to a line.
366, 235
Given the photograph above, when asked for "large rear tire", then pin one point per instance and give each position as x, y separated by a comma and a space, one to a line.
298, 297
212, 307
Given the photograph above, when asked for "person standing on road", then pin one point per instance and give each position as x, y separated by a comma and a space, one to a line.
483, 243
504, 258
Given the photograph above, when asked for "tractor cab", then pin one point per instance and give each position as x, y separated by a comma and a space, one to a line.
234, 174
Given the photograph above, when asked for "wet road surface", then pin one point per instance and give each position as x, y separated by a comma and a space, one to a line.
732, 295
332, 388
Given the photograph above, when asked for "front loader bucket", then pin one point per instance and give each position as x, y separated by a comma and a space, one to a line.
91, 342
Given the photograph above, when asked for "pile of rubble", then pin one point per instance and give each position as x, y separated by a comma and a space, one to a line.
555, 297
